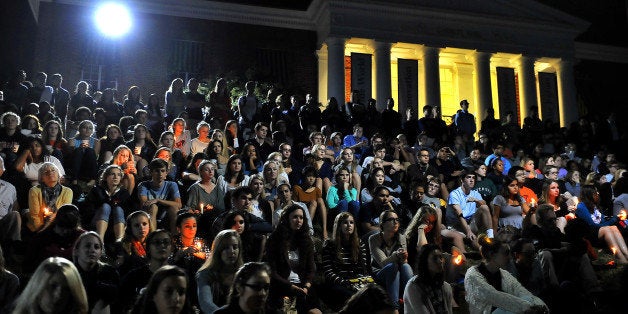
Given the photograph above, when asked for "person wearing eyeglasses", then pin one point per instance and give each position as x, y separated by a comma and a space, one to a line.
467, 211
249, 290
158, 249
389, 256
488, 286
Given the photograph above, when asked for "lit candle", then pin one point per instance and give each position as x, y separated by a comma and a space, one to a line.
198, 244
46, 212
202, 207
614, 250
622, 214
457, 257
532, 203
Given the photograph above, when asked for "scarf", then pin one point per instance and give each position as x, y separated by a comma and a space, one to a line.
50, 195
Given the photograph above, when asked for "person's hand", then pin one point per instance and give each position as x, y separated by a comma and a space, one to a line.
150, 203
471, 235
346, 186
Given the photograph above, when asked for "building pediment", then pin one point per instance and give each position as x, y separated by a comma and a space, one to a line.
509, 26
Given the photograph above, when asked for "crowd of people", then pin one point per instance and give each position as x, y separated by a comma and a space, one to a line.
204, 203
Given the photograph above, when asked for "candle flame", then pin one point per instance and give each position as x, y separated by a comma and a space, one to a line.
614, 249
622, 214
46, 211
457, 257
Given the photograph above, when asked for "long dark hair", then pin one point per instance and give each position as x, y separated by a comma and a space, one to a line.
424, 276
285, 236
340, 187
587, 197
243, 275
145, 303
229, 174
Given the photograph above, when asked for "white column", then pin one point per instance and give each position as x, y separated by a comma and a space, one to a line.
431, 77
567, 99
483, 83
527, 86
323, 78
336, 69
382, 74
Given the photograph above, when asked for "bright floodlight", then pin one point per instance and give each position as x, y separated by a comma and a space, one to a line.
113, 19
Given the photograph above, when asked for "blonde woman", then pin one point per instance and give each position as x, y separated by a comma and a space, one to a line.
55, 287
123, 157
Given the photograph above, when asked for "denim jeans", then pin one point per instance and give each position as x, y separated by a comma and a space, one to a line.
352, 207
105, 211
394, 278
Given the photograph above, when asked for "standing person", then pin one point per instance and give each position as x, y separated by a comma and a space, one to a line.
389, 256
344, 261
489, 286
55, 287
133, 101
467, 212
428, 292
101, 280
194, 102
60, 97
465, 122
166, 292
290, 254
247, 109
215, 277
175, 99
249, 290
220, 102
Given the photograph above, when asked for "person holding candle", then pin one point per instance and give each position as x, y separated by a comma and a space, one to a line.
204, 197
189, 250
84, 162
45, 198
600, 227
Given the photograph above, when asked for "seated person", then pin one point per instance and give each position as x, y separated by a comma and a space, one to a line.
466, 211
158, 196
45, 198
